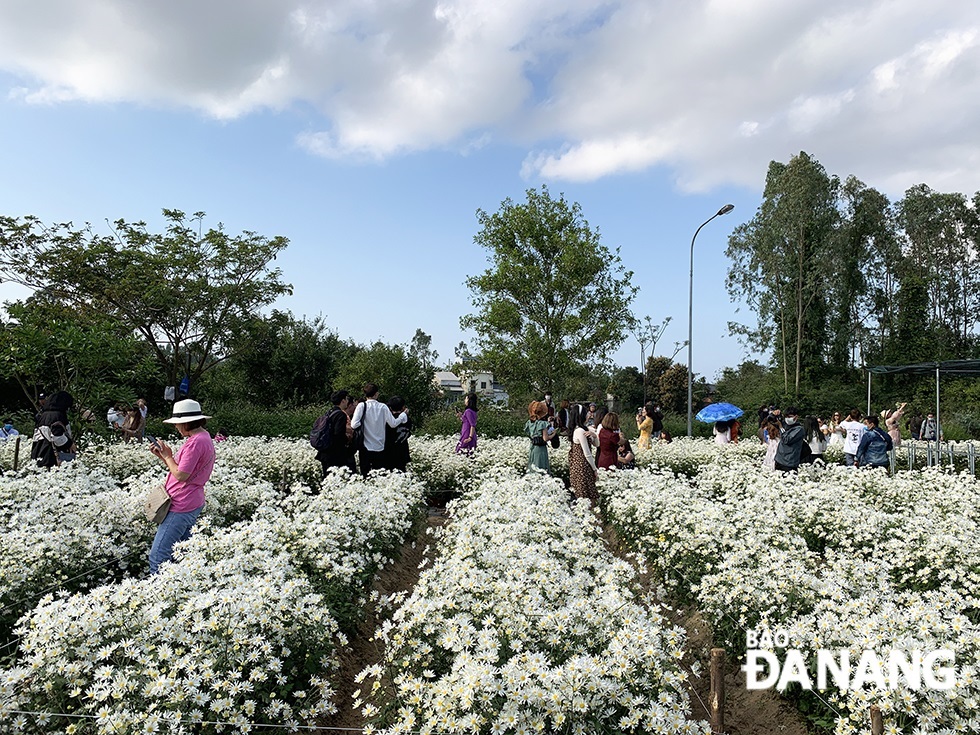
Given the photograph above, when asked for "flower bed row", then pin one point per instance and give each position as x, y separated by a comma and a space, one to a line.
841, 559
242, 629
526, 623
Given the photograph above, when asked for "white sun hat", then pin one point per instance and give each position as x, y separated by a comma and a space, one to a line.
186, 411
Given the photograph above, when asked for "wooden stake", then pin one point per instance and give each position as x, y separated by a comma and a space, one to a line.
877, 725
716, 700
16, 452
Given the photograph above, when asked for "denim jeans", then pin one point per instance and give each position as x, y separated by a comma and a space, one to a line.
849, 460
176, 527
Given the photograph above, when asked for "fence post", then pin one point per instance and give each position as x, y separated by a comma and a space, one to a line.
716, 700
877, 724
952, 464
16, 452
929, 451
971, 459
892, 457
912, 455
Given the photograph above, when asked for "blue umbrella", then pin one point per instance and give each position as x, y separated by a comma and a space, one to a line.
718, 412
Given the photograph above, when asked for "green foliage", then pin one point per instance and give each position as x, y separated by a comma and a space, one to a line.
553, 297
46, 346
182, 292
491, 422
278, 360
395, 372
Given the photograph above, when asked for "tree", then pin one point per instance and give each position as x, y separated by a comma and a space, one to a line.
279, 360
183, 293
554, 298
781, 262
420, 348
396, 373
46, 346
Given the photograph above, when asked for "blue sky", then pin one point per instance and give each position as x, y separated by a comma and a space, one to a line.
369, 133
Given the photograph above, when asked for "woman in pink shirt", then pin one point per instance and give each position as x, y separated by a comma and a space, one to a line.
189, 470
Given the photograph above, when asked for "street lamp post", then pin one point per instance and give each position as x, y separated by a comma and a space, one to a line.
690, 319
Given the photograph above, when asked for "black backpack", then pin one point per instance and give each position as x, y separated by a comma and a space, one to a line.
321, 434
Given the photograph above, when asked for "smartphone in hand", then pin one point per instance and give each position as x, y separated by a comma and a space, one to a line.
153, 441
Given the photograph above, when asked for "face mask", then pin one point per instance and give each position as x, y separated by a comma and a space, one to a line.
790, 420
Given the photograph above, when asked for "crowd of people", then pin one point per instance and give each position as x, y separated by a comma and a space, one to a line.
367, 432
791, 440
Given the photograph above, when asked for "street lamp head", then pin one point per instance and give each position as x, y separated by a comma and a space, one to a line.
725, 210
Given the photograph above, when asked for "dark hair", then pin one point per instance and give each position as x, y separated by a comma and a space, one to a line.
471, 401
337, 396
221, 432
812, 426
774, 427
872, 419
564, 403
576, 417
199, 423
599, 415
721, 426
370, 390
854, 415
396, 403
8, 420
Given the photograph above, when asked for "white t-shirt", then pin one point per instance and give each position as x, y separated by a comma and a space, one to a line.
374, 415
853, 431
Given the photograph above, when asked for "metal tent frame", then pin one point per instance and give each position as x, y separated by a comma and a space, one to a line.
954, 368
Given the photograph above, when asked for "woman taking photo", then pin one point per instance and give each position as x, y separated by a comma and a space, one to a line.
644, 422
467, 433
189, 470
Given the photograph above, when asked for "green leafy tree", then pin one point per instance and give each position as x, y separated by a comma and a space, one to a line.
781, 261
553, 299
395, 372
182, 292
47, 346
279, 360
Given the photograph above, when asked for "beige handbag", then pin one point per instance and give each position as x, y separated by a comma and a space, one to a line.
157, 504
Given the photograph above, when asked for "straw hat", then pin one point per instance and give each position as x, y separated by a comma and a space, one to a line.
186, 411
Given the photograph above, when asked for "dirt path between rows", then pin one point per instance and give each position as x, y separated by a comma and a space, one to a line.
747, 712
362, 651
758, 712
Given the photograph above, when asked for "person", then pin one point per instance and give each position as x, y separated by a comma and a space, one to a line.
52, 441
467, 429
625, 455
144, 412
816, 436
836, 433
721, 432
539, 430
763, 414
609, 441
590, 420
561, 419
187, 473
374, 416
734, 430
789, 453
914, 425
875, 445
893, 424
644, 422
772, 430
550, 404
853, 429
221, 435
134, 425
8, 431
116, 416
929, 429
657, 417
396, 452
337, 452
581, 463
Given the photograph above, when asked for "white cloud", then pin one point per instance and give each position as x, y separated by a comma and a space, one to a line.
886, 90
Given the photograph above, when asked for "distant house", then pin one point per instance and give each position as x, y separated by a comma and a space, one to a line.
452, 387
